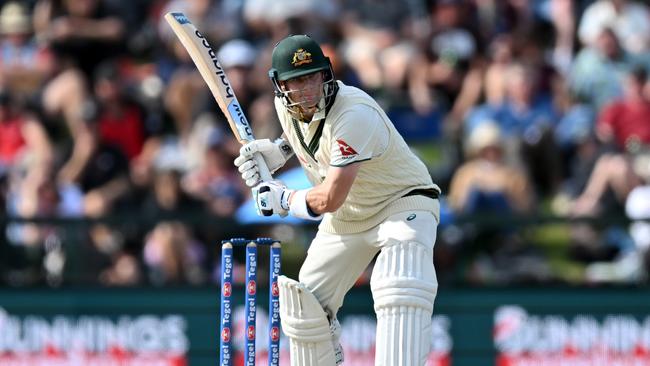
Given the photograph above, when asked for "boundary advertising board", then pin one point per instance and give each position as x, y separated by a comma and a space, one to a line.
178, 327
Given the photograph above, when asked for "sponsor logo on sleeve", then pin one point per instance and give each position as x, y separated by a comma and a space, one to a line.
346, 150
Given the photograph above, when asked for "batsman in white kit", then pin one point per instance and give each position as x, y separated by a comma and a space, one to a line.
372, 194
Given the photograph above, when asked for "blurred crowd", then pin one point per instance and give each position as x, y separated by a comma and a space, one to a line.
520, 108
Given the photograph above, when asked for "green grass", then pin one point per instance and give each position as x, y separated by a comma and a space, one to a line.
554, 240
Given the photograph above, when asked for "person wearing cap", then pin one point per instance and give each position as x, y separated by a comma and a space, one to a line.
486, 182
373, 195
24, 64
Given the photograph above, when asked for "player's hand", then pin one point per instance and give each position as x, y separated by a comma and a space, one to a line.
275, 155
271, 198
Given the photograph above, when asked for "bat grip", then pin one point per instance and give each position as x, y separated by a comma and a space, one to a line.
265, 173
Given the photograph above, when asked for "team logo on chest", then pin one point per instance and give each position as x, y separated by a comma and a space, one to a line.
346, 150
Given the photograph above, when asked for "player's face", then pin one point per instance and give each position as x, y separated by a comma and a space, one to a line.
305, 91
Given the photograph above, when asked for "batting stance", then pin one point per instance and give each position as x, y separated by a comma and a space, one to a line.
373, 196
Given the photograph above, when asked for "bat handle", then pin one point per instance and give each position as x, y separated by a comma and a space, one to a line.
265, 173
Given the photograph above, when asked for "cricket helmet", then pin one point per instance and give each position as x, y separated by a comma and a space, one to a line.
296, 56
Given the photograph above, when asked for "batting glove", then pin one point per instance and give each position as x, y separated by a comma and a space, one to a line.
272, 198
275, 155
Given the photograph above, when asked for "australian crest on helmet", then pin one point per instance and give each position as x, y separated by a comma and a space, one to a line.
301, 57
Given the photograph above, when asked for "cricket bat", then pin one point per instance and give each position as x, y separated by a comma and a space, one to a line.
205, 59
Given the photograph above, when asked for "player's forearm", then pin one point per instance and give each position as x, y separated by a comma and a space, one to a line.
330, 195
322, 199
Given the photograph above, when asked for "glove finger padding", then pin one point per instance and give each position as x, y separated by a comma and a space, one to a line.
254, 146
250, 174
275, 154
252, 182
250, 165
241, 159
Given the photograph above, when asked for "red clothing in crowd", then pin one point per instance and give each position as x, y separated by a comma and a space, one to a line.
628, 121
11, 140
127, 132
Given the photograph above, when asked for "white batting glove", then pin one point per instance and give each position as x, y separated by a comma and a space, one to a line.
272, 198
275, 155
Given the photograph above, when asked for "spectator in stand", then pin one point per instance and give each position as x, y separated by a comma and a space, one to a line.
81, 34
629, 20
173, 256
625, 124
445, 75
502, 55
486, 183
167, 199
632, 263
24, 64
598, 70
523, 108
26, 160
215, 182
527, 118
24, 143
104, 180
124, 271
274, 19
637, 207
219, 21
372, 48
171, 252
120, 121
562, 15
632, 260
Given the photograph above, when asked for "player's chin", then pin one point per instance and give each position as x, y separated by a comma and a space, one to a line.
310, 109
309, 105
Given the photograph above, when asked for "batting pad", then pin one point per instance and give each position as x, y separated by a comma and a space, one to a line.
305, 323
404, 287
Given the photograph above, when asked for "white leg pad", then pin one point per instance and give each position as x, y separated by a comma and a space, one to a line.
306, 325
404, 288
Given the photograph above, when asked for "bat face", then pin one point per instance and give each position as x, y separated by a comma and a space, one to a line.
205, 58
219, 73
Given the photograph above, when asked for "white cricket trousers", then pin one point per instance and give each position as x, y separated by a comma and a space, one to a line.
335, 262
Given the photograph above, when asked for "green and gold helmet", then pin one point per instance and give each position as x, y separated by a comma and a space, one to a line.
296, 56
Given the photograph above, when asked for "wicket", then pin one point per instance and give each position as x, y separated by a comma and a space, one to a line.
226, 356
